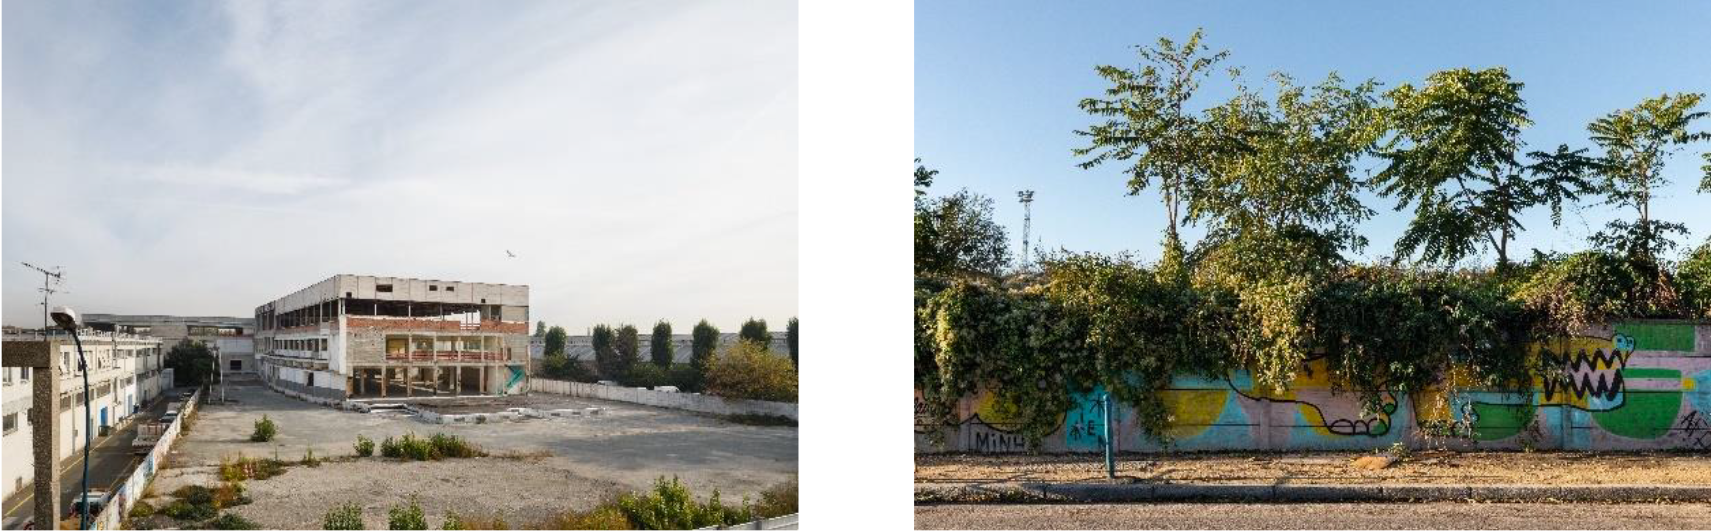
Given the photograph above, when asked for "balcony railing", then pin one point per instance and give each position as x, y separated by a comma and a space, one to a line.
445, 355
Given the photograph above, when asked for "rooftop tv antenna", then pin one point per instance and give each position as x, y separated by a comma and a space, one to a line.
50, 279
1027, 199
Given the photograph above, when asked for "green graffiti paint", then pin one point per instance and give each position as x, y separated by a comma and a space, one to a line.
1499, 421
1659, 336
1644, 414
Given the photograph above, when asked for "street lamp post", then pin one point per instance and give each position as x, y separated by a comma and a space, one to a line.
67, 318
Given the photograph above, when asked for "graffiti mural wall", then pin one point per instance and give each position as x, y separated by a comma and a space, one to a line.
1630, 386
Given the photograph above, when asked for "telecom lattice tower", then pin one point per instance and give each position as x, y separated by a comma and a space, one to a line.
1027, 199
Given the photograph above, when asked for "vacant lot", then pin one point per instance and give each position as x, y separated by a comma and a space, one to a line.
573, 462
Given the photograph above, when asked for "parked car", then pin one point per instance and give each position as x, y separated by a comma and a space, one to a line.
97, 501
19, 522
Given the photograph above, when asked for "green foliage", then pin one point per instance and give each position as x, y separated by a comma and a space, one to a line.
142, 509
1146, 123
755, 330
432, 448
561, 368
232, 521
452, 521
265, 430
923, 179
685, 378
1637, 142
554, 341
540, 328
1454, 158
364, 446
408, 516
748, 370
628, 344
191, 362
183, 510
957, 235
245, 467
389, 448
605, 355
346, 515
704, 340
1693, 281
671, 506
791, 334
644, 375
778, 500
1594, 287
660, 346
309, 459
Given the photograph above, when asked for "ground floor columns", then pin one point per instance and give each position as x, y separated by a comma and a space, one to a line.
384, 382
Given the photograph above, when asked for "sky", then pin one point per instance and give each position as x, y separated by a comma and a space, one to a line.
997, 83
204, 158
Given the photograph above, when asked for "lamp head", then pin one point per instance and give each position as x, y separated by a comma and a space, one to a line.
65, 317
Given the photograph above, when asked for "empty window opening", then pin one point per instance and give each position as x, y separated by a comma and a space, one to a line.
383, 288
432, 287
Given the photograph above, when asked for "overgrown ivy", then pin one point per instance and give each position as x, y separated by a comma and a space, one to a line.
1088, 321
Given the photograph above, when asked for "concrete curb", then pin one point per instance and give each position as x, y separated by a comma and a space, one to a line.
1157, 492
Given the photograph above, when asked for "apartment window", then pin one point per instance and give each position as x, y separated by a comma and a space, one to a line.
26, 373
383, 288
323, 344
11, 423
8, 376
432, 287
237, 365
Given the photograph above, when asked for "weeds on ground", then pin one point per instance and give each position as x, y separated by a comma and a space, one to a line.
186, 511
668, 506
364, 446
492, 521
452, 521
309, 457
433, 448
232, 521
777, 500
245, 467
1400, 451
406, 516
142, 509
343, 516
265, 429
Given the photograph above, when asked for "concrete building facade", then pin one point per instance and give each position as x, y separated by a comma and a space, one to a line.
124, 375
231, 338
356, 336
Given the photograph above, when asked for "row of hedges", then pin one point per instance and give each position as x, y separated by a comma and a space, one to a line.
1082, 321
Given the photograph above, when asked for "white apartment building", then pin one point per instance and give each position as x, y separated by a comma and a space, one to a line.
124, 375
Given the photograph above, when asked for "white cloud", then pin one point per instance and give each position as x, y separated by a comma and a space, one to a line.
639, 157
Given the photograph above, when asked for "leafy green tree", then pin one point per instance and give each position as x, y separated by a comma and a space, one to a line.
1454, 159
1147, 123
790, 331
606, 357
661, 347
704, 341
540, 328
755, 330
628, 346
555, 340
923, 179
956, 235
191, 362
1637, 142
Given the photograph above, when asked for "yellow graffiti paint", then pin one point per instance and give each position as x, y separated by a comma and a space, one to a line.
1191, 411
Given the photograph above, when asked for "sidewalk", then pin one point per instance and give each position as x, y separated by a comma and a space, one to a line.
1325, 468
1014, 493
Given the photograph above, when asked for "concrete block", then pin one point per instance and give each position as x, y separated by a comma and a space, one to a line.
1177, 491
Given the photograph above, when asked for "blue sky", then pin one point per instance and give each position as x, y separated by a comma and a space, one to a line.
203, 158
997, 85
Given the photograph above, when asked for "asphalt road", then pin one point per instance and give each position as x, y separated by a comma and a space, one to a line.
109, 459
1316, 516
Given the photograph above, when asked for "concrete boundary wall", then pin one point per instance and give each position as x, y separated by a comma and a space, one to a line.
1629, 386
698, 403
131, 491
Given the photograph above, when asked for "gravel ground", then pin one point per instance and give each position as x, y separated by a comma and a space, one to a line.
1314, 516
1327, 468
574, 463
520, 489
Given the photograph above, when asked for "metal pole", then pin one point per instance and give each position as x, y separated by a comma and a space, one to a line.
1110, 444
88, 426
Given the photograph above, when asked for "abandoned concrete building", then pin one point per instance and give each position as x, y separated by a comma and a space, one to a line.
355, 336
229, 337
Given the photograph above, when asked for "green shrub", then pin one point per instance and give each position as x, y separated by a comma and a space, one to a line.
407, 516
364, 446
452, 522
186, 511
245, 467
195, 494
389, 448
778, 500
232, 521
433, 448
264, 430
747, 370
142, 509
309, 457
644, 374
452, 446
671, 506
558, 367
343, 516
684, 377
1693, 281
